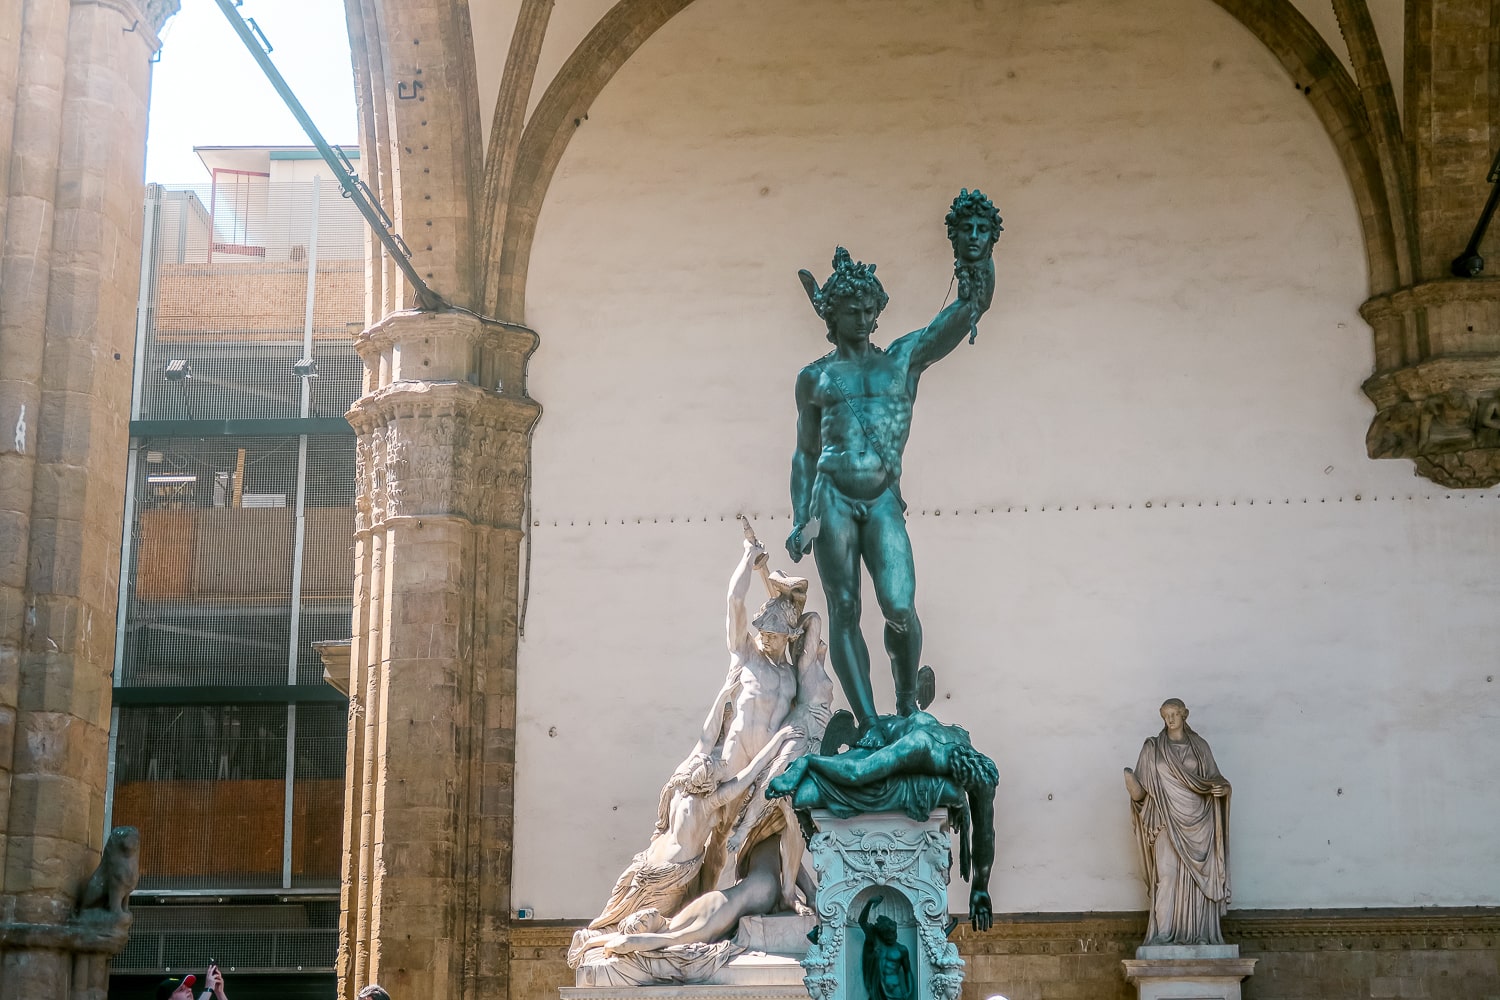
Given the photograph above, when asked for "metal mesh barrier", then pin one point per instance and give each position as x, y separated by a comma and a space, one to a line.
228, 310
229, 746
273, 936
318, 795
212, 584
205, 786
214, 532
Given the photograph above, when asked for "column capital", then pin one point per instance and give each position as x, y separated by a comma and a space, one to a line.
146, 17
452, 345
1437, 390
441, 449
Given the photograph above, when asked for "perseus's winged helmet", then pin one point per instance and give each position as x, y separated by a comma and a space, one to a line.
848, 278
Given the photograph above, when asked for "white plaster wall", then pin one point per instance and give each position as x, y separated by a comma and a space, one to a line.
492, 23
1320, 15
1176, 323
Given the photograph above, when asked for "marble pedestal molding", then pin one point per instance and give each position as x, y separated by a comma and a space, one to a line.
888, 855
1188, 972
769, 970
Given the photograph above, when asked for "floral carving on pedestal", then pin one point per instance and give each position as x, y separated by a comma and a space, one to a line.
893, 852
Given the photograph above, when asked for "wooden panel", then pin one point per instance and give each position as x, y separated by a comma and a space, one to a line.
164, 558
203, 829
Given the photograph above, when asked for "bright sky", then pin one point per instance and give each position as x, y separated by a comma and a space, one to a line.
208, 91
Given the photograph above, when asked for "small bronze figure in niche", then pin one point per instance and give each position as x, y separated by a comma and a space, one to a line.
886, 964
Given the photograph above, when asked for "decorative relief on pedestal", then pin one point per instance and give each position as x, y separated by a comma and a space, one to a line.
1437, 394
888, 851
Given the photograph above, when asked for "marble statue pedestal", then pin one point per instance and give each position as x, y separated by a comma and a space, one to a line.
1189, 971
768, 970
906, 863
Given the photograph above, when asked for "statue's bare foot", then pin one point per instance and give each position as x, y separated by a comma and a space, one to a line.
787, 781
870, 739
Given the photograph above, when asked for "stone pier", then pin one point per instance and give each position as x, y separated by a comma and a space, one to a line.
443, 440
74, 81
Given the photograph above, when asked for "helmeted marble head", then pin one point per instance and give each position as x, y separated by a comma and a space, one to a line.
778, 616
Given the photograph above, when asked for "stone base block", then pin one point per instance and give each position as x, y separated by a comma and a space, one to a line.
1187, 951
748, 977
782, 934
1188, 972
770, 969
760, 970
706, 991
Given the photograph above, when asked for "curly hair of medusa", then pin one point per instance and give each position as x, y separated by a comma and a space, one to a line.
849, 280
973, 770
969, 204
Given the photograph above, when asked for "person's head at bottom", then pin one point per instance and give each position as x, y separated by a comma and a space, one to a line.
374, 992
176, 989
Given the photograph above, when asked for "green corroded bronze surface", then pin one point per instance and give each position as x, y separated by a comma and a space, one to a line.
922, 764
854, 409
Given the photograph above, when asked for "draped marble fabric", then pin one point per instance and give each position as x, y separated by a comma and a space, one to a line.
1183, 832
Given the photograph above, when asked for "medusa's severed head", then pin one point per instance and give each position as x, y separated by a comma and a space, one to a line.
973, 226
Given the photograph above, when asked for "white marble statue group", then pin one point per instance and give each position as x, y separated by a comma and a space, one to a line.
666, 921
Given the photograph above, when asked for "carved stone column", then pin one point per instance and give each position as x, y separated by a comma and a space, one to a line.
76, 77
443, 439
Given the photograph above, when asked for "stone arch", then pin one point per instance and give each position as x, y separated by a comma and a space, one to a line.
1312, 64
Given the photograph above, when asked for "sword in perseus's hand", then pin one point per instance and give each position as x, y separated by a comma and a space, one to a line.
761, 561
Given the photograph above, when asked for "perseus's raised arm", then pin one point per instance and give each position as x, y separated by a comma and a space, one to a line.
955, 322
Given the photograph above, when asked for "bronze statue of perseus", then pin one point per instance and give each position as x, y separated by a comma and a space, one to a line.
854, 408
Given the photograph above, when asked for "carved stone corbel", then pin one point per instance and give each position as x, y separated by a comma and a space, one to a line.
1437, 394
